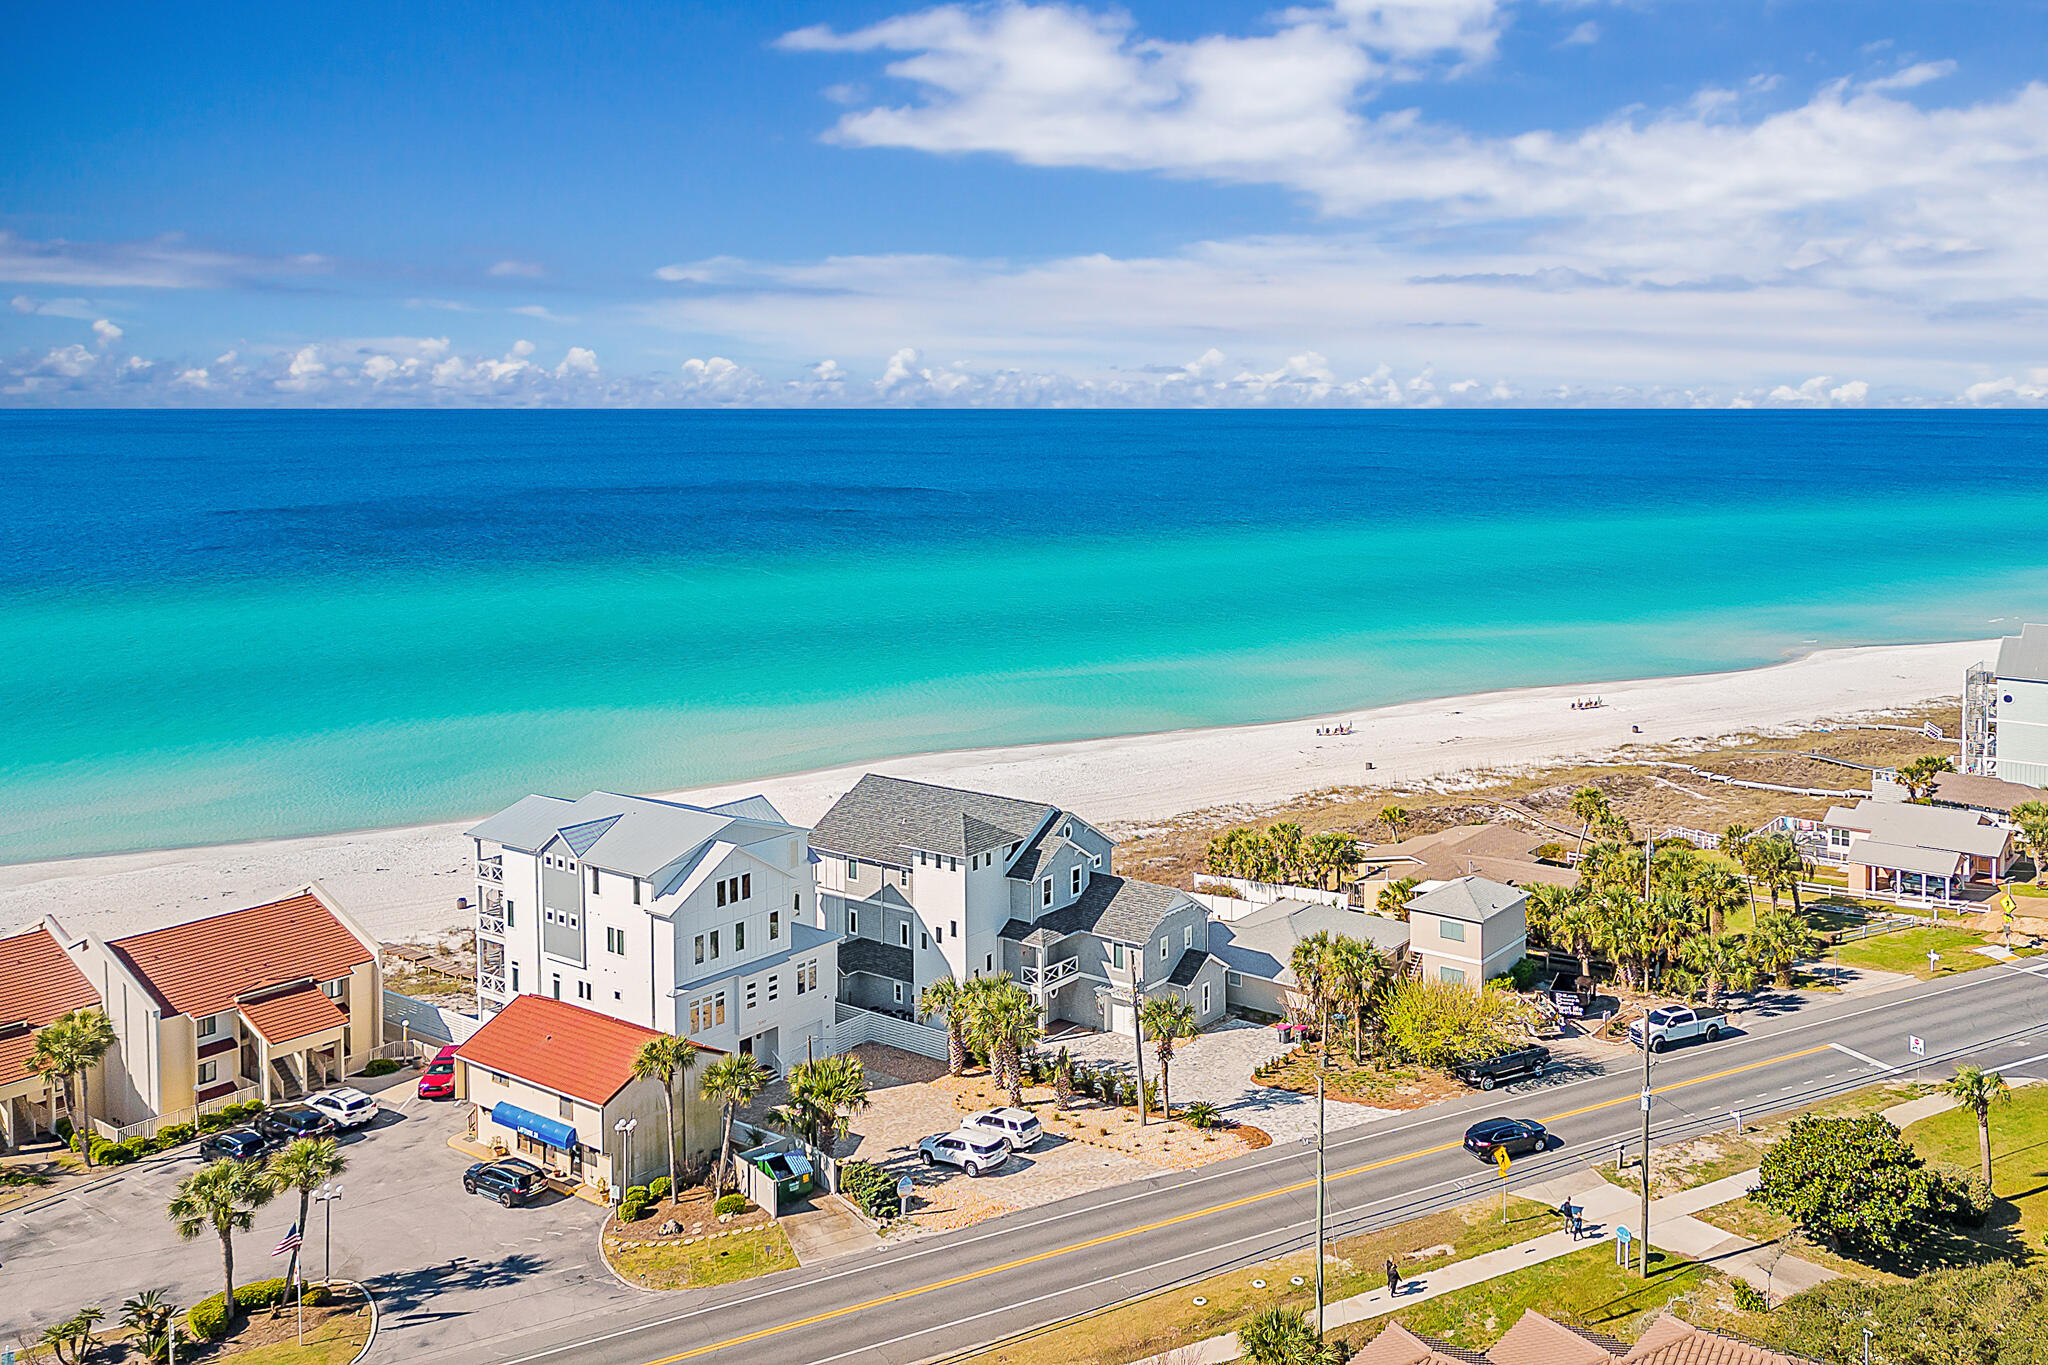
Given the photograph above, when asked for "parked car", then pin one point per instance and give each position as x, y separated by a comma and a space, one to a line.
1513, 1065
437, 1082
509, 1181
1677, 1024
235, 1144
346, 1105
791, 1172
289, 1121
1519, 1136
1018, 1127
973, 1152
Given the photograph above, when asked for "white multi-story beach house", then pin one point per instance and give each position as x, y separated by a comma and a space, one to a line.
701, 922
2005, 711
926, 881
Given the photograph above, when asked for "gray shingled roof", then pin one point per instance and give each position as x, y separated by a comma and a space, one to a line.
1188, 967
1116, 908
883, 819
2025, 656
1262, 943
1472, 899
634, 835
875, 958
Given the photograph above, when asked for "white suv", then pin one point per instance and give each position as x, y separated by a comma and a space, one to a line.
347, 1106
975, 1153
1018, 1127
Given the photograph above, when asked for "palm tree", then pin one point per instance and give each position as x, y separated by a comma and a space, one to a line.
1394, 817
1589, 805
943, 996
1395, 895
1015, 1025
1548, 904
2032, 818
824, 1095
730, 1083
664, 1059
1353, 969
1775, 861
1779, 941
1977, 1090
1720, 895
304, 1165
148, 1315
1281, 1336
977, 1028
1167, 1019
1286, 840
66, 1049
1331, 855
222, 1197
72, 1340
1722, 959
1310, 960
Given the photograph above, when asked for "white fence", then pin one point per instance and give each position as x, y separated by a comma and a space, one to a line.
856, 1026
406, 1018
1764, 786
149, 1128
1265, 893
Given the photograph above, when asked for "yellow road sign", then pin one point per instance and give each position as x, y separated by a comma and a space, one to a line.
2007, 903
1501, 1158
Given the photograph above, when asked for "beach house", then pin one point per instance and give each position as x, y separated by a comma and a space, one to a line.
1467, 929
926, 881
1258, 949
2005, 711
38, 983
1500, 853
553, 1082
695, 921
266, 1002
1908, 849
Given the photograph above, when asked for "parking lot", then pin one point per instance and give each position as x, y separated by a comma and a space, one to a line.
403, 1225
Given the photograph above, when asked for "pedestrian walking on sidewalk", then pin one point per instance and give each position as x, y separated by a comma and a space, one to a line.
1564, 1211
1393, 1278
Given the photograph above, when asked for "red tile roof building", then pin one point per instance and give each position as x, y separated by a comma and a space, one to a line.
200, 967
1537, 1340
38, 983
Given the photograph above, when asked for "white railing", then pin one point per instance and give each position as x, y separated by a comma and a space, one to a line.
1265, 893
1698, 838
1045, 978
491, 983
490, 872
488, 923
856, 1026
149, 1128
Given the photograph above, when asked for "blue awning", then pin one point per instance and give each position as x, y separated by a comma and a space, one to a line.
553, 1132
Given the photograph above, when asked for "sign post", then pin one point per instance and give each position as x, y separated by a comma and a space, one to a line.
903, 1188
1621, 1240
1503, 1160
1916, 1045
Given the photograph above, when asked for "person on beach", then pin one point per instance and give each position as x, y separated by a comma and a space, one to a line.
1393, 1278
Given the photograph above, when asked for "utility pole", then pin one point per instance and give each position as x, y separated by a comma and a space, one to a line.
1319, 1203
1646, 1146
1138, 1032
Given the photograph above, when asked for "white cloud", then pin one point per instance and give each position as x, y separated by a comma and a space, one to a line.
1920, 73
522, 270
107, 332
535, 310
162, 263
1585, 33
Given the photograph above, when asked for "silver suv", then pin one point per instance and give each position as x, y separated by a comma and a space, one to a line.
1018, 1127
975, 1153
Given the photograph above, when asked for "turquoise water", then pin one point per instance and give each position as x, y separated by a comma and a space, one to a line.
221, 626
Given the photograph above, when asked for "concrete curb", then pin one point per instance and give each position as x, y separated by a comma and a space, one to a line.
376, 1318
612, 1270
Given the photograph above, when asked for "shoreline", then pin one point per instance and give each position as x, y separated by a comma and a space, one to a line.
401, 881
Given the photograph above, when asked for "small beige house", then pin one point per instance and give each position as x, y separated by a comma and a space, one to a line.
551, 1082
38, 982
1468, 930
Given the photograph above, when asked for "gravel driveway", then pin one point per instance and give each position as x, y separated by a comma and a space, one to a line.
1217, 1066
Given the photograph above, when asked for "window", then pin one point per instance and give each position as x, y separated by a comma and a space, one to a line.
1451, 974
799, 978
752, 996
1452, 931
813, 973
903, 933
722, 892
335, 989
593, 881
774, 925
208, 1026
1116, 954
774, 981
899, 992
1076, 882
714, 945
852, 920
1045, 892
903, 876
739, 937
572, 921
700, 948
207, 1071
636, 890
515, 978
746, 886
991, 962
1233, 978
938, 933
583, 991
853, 869
1205, 997
721, 1007
953, 928
1187, 936
924, 940
566, 1107
509, 921
615, 939
694, 1024
558, 988
1162, 948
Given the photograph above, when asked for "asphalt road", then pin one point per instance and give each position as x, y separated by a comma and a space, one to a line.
934, 1296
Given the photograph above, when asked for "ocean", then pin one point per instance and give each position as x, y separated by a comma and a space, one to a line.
216, 626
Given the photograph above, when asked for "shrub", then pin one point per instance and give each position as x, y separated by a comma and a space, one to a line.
1442, 1023
115, 1153
657, 1189
1550, 853
638, 1192
1200, 1114
64, 1130
208, 1319
213, 1123
634, 1204
380, 1066
1749, 1298
1969, 1200
730, 1203
870, 1189
175, 1134
236, 1113
1852, 1182
1524, 973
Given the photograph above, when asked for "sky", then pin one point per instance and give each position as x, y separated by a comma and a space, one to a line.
1520, 203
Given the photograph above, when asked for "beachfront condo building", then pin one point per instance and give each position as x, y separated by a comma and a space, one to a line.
923, 881
2005, 711
696, 921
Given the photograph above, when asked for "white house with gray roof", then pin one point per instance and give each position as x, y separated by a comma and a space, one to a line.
697, 921
1258, 949
925, 881
2005, 711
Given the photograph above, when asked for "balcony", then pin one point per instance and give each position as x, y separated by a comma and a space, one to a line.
491, 983
491, 869
1041, 979
489, 923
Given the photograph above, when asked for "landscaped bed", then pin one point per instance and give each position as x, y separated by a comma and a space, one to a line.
1176, 1145
705, 1249
1394, 1087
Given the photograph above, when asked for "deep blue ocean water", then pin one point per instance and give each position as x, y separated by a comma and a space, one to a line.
229, 625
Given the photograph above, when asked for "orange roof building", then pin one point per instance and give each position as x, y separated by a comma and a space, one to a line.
266, 1002
38, 983
1537, 1340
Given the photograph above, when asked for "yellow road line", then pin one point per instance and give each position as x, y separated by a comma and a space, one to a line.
1108, 1237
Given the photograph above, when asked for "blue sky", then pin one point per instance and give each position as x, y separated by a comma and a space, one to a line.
1352, 202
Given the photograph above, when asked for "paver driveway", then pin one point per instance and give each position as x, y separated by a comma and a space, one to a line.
403, 1225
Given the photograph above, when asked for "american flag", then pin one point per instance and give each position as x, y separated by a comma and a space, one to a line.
291, 1242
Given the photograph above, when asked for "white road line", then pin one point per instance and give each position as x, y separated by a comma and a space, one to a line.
1863, 1057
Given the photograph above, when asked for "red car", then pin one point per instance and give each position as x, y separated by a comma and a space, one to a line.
437, 1082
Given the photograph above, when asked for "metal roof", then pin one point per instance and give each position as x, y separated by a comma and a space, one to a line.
1262, 943
636, 836
1902, 822
2024, 657
1931, 862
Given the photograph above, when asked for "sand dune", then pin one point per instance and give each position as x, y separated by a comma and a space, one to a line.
403, 882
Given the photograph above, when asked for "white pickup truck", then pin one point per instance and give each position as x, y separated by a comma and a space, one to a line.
1677, 1024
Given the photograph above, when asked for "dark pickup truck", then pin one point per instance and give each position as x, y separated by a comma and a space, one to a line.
1513, 1065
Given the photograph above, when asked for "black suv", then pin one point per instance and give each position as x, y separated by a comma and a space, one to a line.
295, 1121
1513, 1065
1520, 1137
234, 1144
510, 1181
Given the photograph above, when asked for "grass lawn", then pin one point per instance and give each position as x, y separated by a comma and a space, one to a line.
333, 1342
1711, 1156
671, 1264
1171, 1318
1905, 950
1585, 1288
2019, 1160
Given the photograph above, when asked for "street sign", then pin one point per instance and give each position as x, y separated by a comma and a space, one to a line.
1501, 1159
2007, 904
1622, 1233
1916, 1046
1646, 1101
903, 1189
1569, 1005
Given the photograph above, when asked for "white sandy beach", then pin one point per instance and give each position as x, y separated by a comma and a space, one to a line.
404, 882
